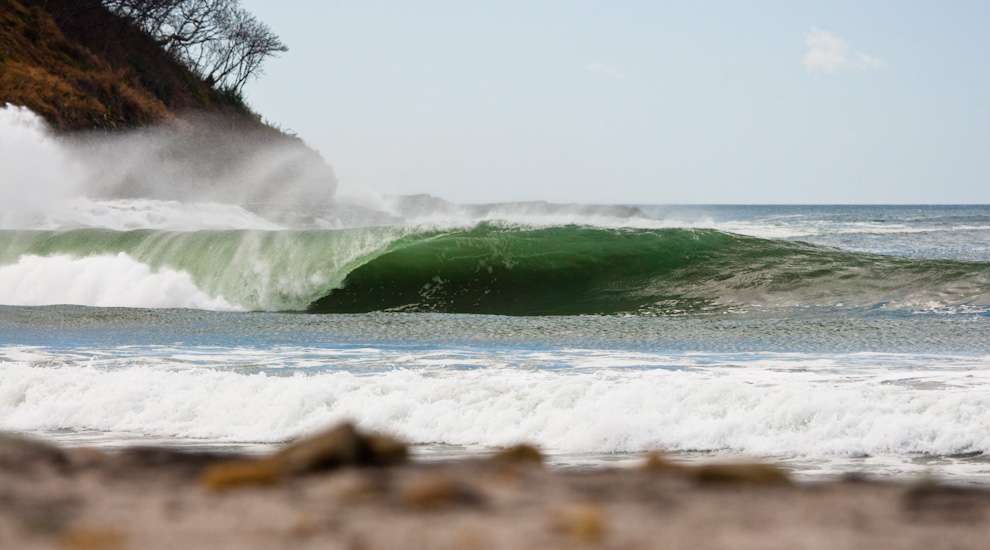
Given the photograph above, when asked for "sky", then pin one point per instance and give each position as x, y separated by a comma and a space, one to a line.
639, 101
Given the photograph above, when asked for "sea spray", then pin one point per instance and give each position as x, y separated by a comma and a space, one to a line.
36, 172
197, 160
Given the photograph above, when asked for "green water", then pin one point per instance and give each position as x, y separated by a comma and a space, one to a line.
504, 269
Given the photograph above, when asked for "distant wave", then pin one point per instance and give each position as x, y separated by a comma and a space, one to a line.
487, 268
131, 214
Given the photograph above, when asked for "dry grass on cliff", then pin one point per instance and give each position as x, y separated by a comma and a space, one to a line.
81, 67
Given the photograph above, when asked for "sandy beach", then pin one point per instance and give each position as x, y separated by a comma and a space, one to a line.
342, 489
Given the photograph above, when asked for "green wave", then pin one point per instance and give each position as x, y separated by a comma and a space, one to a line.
499, 269
582, 270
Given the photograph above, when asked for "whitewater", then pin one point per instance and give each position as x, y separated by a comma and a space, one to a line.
826, 338
759, 404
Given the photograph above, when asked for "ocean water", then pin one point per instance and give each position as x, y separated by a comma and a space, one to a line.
826, 338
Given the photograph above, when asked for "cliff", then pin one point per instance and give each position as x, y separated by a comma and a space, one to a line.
81, 67
89, 72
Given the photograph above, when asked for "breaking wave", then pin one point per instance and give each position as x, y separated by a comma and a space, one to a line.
487, 268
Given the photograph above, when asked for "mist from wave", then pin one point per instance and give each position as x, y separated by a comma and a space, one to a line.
191, 173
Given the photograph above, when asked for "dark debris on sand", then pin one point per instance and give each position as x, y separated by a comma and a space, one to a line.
346, 489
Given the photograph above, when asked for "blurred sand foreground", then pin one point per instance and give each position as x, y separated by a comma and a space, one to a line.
348, 490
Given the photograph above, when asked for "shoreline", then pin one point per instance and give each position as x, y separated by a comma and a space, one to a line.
944, 470
962, 469
345, 489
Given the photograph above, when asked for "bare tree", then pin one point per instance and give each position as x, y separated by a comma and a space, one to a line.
150, 15
230, 49
217, 39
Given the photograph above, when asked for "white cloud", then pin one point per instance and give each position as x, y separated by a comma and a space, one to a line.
604, 70
828, 53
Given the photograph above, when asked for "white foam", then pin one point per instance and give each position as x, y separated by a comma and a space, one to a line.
784, 404
102, 281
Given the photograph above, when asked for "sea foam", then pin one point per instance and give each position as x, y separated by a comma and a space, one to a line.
102, 281
776, 404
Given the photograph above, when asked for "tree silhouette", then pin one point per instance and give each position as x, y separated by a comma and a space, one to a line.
218, 39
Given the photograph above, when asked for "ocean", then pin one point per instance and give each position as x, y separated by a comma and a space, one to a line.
828, 339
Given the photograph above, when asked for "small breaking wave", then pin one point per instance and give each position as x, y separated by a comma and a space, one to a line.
789, 405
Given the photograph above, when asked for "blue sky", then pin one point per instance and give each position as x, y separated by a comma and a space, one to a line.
640, 102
